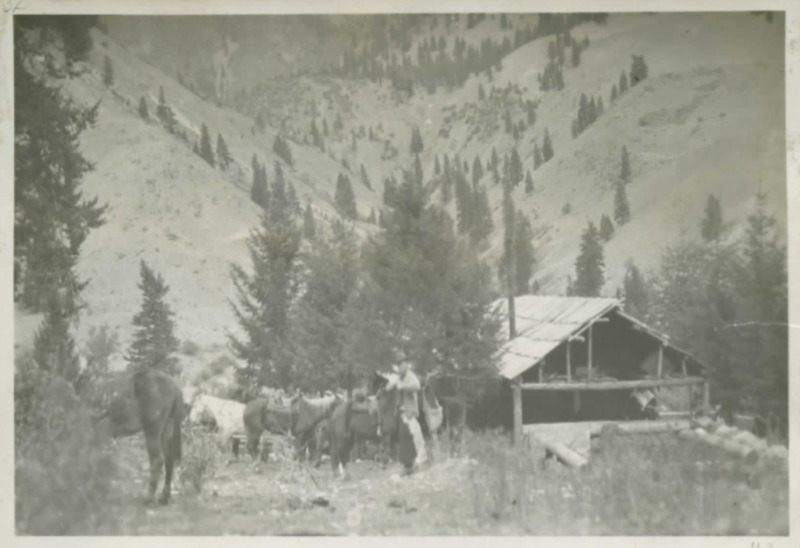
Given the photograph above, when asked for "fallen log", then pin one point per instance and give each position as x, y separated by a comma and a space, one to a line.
652, 427
563, 453
720, 442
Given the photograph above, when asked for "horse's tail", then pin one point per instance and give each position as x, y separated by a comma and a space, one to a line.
348, 411
177, 419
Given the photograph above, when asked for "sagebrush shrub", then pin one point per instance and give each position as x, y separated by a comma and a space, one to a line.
63, 468
200, 458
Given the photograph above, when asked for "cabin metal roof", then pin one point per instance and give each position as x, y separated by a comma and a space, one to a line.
545, 322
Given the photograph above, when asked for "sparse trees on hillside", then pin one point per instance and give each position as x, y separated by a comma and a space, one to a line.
712, 226
206, 152
154, 343
622, 210
515, 169
547, 147
416, 141
108, 72
281, 148
625, 166
576, 55
537, 157
259, 191
477, 170
528, 182
365, 178
606, 228
143, 109
344, 198
483, 223
531, 111
590, 265
260, 124
623, 83
309, 223
223, 154
165, 113
638, 69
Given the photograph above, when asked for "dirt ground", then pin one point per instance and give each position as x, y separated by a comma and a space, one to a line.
639, 485
284, 498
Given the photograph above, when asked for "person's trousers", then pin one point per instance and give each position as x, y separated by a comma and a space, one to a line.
416, 435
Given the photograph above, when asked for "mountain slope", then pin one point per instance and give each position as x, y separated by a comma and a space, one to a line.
709, 118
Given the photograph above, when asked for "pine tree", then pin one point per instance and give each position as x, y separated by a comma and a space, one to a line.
606, 228
418, 176
477, 170
623, 83
320, 325
547, 147
259, 191
52, 218
365, 178
108, 72
281, 148
613, 93
524, 260
154, 343
537, 157
344, 199
483, 223
292, 199
531, 113
416, 141
309, 223
495, 161
638, 69
165, 113
600, 107
622, 210
54, 348
635, 293
437, 168
625, 166
260, 124
507, 268
143, 109
515, 169
589, 265
265, 297
528, 182
372, 219
711, 227
206, 152
223, 154
576, 55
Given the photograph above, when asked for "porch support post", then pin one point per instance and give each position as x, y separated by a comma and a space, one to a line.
517, 391
590, 352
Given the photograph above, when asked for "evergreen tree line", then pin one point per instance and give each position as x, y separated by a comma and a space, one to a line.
588, 112
329, 317
638, 73
724, 298
552, 76
437, 65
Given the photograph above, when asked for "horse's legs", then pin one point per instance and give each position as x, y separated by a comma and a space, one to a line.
169, 462
155, 452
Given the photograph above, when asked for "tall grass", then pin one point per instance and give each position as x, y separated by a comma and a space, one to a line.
633, 485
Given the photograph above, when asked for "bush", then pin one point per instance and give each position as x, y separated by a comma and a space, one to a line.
190, 348
200, 457
63, 470
101, 345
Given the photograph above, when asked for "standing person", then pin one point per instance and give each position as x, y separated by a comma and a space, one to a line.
408, 386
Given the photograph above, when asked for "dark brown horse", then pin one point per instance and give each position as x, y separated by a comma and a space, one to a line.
352, 421
310, 413
277, 416
151, 402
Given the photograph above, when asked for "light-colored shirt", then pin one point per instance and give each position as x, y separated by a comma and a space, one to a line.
408, 386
